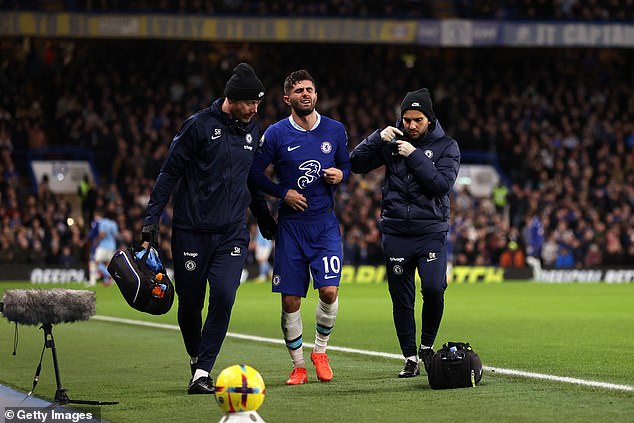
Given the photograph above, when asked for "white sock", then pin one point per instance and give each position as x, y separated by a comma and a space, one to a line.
200, 373
425, 347
325, 318
292, 329
193, 360
412, 358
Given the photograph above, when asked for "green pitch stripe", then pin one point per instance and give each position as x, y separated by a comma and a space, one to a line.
511, 372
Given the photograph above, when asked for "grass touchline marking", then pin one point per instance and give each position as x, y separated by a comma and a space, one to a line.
511, 372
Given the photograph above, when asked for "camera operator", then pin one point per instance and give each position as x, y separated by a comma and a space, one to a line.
421, 166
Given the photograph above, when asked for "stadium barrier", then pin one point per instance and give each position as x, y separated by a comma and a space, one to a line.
433, 32
363, 274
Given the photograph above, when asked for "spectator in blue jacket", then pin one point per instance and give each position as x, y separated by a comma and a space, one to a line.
421, 166
209, 159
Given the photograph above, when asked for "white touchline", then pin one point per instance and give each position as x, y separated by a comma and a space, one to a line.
521, 373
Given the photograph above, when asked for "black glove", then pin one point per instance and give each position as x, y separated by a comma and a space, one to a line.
267, 226
149, 233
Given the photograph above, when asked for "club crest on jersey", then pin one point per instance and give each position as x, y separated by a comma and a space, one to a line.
326, 147
397, 270
249, 140
429, 153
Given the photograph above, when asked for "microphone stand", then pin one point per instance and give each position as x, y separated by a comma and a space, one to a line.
61, 397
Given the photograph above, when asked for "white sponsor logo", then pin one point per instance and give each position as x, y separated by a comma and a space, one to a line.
188, 254
432, 257
415, 104
236, 252
247, 147
330, 276
217, 134
312, 172
289, 148
398, 259
261, 94
39, 275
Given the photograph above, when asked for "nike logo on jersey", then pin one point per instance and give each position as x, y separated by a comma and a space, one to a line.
214, 137
289, 148
236, 252
330, 276
432, 257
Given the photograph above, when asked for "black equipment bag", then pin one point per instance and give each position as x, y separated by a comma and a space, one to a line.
144, 289
455, 365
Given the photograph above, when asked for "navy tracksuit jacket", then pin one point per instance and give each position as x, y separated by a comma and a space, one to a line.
208, 161
414, 224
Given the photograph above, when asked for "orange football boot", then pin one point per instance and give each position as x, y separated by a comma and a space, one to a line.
320, 360
298, 376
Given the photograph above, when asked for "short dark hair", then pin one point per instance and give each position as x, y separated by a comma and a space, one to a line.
295, 77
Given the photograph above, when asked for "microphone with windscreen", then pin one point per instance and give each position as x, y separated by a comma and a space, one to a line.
48, 307
40, 306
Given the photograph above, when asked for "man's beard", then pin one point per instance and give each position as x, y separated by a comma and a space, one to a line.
303, 112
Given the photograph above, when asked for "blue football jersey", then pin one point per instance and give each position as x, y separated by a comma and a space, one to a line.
299, 159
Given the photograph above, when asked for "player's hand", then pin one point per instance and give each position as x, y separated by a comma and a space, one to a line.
404, 148
332, 175
389, 133
149, 233
295, 200
267, 225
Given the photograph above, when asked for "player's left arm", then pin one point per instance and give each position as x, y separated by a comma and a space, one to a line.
340, 172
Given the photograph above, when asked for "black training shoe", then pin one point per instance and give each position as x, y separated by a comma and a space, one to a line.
202, 385
410, 369
425, 355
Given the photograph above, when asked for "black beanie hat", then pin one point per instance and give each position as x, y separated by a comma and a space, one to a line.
244, 84
419, 100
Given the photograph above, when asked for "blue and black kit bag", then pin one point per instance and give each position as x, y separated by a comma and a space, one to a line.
142, 279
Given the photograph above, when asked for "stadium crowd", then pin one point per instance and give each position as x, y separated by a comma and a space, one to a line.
559, 122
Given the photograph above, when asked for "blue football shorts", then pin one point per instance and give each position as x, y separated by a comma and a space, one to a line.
304, 249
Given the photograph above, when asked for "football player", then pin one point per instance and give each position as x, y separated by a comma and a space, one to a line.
310, 157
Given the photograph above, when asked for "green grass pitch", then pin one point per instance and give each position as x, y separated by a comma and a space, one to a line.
581, 331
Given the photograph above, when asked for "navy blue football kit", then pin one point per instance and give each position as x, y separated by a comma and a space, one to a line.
311, 236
